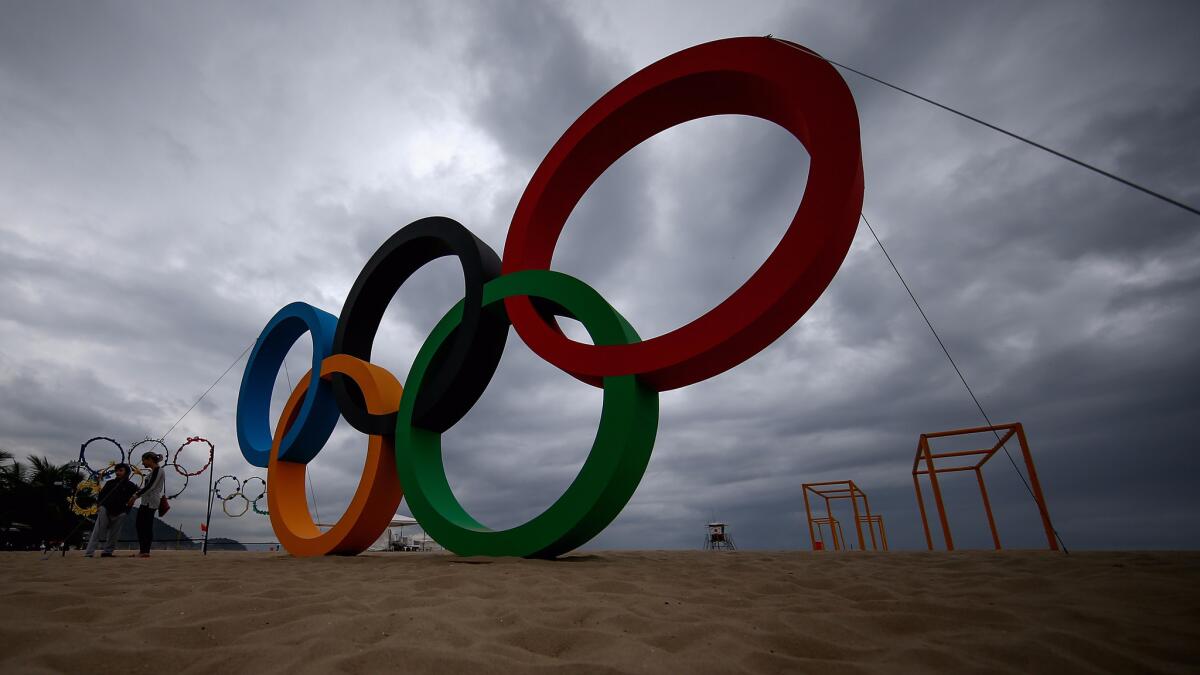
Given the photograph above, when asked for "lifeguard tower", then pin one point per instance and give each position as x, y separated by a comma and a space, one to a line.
842, 489
835, 533
717, 539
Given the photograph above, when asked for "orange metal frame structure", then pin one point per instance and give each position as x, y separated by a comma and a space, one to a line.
926, 454
843, 489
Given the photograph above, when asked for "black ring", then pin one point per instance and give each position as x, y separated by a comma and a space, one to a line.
463, 369
216, 488
83, 460
165, 456
186, 478
247, 482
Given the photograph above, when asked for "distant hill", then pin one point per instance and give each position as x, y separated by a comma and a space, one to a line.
167, 536
224, 544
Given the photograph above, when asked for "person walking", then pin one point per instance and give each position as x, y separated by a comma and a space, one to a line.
114, 504
151, 493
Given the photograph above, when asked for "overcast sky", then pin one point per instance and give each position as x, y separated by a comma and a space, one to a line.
173, 173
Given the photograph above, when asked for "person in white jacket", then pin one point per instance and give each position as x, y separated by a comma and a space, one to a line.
150, 494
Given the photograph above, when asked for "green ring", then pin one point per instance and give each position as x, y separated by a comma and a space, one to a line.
611, 473
254, 505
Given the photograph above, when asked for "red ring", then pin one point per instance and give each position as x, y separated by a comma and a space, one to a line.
761, 77
194, 439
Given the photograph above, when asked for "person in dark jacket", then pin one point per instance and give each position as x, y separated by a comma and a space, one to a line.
150, 494
114, 504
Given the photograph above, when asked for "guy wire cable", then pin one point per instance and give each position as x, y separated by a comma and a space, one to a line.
307, 474
1003, 446
1062, 155
1018, 137
206, 391
185, 414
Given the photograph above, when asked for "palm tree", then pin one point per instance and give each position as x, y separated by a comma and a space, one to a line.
7, 461
12, 473
35, 495
47, 475
12, 488
14, 477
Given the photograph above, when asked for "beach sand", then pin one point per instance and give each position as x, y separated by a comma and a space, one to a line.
654, 611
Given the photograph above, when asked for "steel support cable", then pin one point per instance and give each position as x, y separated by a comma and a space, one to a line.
209, 390
193, 407
307, 474
961, 377
1062, 155
206, 391
913, 296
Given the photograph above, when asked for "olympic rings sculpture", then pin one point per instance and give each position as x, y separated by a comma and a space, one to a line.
134, 458
217, 486
236, 495
90, 487
762, 77
186, 479
262, 487
254, 506
239, 492
83, 463
95, 476
194, 439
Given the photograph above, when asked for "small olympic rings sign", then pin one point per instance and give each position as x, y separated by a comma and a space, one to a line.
762, 77
240, 495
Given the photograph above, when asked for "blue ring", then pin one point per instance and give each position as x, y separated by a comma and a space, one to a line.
318, 414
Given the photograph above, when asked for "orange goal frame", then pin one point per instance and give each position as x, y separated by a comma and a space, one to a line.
843, 489
926, 454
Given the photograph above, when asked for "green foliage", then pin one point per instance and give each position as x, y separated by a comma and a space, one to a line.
33, 500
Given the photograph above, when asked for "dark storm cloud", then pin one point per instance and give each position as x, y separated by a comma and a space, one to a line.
170, 176
538, 74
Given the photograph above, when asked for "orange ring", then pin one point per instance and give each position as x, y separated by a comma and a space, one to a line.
379, 492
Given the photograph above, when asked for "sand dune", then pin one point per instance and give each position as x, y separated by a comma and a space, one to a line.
669, 611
